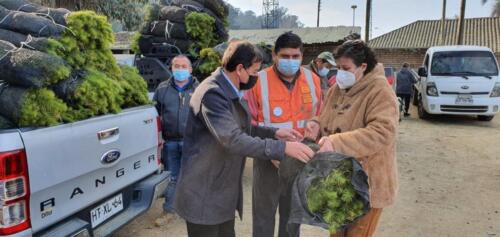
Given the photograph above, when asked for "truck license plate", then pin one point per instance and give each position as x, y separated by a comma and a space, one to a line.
464, 100
106, 210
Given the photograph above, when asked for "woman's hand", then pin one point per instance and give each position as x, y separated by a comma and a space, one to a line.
312, 130
325, 144
288, 135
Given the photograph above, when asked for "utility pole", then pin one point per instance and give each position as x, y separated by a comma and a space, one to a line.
319, 10
461, 23
368, 18
443, 19
353, 16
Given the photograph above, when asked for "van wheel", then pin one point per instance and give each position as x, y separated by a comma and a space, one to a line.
415, 97
486, 118
422, 114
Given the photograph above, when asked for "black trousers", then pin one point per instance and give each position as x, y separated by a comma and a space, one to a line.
407, 99
225, 229
270, 194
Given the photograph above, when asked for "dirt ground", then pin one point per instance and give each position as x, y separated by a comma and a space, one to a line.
449, 173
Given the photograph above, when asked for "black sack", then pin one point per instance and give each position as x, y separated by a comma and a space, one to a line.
35, 43
218, 7
320, 167
28, 23
167, 29
149, 44
57, 14
193, 6
11, 100
5, 123
173, 14
29, 68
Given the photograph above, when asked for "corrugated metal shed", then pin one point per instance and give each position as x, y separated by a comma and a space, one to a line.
309, 35
424, 34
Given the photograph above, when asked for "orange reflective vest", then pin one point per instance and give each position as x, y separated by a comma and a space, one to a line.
279, 107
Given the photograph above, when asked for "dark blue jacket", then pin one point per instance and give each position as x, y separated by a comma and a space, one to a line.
173, 107
218, 138
405, 81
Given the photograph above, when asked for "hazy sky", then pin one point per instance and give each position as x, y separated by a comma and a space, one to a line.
387, 14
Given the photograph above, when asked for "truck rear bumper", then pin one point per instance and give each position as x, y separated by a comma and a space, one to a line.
145, 193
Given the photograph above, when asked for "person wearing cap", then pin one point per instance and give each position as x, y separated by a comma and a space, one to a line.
321, 66
286, 95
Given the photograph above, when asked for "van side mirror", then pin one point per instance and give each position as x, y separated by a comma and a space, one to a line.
422, 72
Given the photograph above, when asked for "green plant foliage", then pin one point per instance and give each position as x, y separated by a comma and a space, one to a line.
135, 89
134, 45
211, 61
40, 107
96, 95
201, 26
87, 43
334, 198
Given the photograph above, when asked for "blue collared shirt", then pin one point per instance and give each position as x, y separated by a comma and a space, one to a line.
238, 92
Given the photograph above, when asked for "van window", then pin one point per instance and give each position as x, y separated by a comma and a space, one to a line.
464, 63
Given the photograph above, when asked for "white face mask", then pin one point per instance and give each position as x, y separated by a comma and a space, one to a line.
345, 79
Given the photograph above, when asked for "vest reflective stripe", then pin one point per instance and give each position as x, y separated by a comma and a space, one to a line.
301, 123
264, 88
278, 125
310, 83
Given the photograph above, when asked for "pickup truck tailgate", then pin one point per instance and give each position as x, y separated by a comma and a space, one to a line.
73, 166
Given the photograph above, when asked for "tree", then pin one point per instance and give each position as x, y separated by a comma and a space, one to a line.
249, 20
496, 8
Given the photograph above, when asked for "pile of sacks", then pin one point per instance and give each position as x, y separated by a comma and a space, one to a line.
188, 25
57, 66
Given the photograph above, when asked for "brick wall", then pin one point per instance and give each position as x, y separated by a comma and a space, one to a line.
396, 57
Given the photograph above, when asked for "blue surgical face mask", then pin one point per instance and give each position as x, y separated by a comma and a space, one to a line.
289, 67
323, 72
181, 74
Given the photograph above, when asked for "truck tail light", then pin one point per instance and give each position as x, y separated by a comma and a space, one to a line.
14, 192
160, 140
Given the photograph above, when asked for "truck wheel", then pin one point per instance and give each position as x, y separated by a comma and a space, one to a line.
486, 118
422, 114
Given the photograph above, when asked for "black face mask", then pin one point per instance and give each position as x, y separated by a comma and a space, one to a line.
252, 80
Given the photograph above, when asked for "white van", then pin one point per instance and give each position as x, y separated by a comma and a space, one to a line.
460, 80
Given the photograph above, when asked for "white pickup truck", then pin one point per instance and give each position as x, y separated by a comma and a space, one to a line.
86, 178
460, 80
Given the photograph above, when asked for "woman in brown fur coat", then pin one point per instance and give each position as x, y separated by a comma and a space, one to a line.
359, 119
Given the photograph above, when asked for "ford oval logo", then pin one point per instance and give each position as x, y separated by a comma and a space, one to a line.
110, 156
465, 87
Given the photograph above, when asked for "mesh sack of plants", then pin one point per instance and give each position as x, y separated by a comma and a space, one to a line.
267, 53
31, 107
30, 68
89, 93
149, 44
29, 23
167, 29
34, 43
173, 13
87, 43
218, 7
200, 26
57, 14
135, 88
5, 123
331, 192
209, 61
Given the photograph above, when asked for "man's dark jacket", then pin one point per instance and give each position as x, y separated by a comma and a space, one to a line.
173, 107
218, 138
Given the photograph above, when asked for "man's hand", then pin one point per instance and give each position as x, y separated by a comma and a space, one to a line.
299, 151
325, 144
276, 163
312, 130
288, 135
